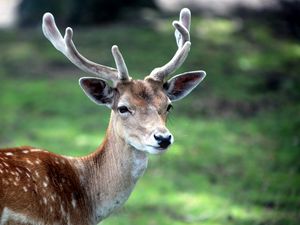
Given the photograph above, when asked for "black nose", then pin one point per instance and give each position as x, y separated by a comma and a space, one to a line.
163, 141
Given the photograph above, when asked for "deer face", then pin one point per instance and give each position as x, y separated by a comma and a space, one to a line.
140, 107
140, 113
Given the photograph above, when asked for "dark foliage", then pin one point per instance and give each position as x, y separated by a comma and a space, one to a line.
283, 19
284, 23
286, 18
79, 12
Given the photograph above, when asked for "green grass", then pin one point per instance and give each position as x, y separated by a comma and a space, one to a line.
237, 147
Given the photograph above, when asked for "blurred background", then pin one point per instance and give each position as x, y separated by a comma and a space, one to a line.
236, 157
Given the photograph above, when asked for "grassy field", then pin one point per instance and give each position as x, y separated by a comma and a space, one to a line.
236, 157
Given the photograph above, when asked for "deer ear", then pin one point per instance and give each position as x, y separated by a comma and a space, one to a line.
181, 85
97, 90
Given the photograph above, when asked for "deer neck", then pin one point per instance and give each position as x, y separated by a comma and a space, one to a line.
110, 173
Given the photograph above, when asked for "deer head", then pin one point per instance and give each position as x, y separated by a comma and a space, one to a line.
139, 107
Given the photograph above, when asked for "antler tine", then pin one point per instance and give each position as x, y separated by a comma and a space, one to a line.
182, 32
66, 46
120, 63
182, 36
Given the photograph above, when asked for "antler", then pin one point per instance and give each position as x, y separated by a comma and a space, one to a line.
67, 47
182, 36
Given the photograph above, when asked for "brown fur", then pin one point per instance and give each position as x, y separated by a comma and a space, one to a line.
143, 93
40, 183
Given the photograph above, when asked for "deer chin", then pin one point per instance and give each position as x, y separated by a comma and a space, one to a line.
156, 150
148, 148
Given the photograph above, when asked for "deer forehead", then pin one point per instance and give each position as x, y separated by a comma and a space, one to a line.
142, 93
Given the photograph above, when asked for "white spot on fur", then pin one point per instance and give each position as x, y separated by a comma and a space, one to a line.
52, 197
25, 151
8, 153
63, 212
45, 184
45, 200
29, 162
36, 174
25, 189
73, 201
36, 150
56, 161
17, 178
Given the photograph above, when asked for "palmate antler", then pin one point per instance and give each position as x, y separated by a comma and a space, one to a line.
182, 36
67, 47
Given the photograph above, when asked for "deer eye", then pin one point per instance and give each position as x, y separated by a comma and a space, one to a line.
169, 107
123, 109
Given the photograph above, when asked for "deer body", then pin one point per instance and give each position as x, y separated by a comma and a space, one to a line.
61, 190
42, 188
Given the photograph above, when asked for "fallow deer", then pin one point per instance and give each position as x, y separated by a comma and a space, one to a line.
40, 187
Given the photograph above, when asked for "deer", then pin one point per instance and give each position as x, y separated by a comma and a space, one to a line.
43, 188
